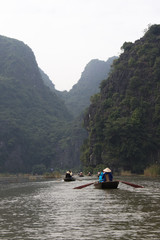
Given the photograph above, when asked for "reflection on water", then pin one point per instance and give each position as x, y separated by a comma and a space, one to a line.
54, 210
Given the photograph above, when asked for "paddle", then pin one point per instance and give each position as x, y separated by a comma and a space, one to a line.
83, 186
132, 184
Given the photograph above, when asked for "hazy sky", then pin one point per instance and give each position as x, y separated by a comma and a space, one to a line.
66, 34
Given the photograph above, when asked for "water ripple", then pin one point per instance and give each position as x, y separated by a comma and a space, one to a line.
54, 210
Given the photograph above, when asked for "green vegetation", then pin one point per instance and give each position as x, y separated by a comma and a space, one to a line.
78, 98
32, 118
40, 131
55, 174
152, 171
38, 169
123, 121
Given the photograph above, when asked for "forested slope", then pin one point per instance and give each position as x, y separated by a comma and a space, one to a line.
32, 118
123, 120
35, 124
78, 98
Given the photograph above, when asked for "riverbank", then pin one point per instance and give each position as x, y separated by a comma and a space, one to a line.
9, 178
19, 178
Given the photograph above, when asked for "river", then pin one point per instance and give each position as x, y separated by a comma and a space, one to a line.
48, 210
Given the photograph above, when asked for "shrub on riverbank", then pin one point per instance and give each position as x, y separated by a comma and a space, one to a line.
152, 171
125, 173
55, 174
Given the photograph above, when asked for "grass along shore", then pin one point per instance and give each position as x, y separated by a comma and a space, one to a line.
151, 171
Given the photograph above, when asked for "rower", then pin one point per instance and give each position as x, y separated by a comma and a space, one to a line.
68, 174
107, 175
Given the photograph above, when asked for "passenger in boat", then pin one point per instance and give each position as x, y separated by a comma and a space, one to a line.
68, 174
101, 178
81, 174
107, 175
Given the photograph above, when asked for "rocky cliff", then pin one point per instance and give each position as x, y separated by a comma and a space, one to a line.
123, 120
32, 118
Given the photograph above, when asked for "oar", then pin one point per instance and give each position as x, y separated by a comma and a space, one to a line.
132, 184
83, 186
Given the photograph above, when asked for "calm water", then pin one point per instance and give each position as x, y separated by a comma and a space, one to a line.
54, 210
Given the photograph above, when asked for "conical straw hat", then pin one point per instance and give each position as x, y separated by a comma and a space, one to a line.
106, 170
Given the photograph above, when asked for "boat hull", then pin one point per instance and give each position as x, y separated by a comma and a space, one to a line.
106, 185
69, 179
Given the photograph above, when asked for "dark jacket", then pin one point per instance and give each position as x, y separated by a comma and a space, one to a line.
109, 175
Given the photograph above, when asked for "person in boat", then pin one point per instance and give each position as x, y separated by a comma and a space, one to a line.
107, 175
68, 174
80, 174
101, 177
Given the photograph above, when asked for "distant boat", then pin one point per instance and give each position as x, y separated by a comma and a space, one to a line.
68, 176
106, 185
68, 179
89, 174
81, 174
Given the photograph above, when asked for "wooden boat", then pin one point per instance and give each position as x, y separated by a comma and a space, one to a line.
80, 174
68, 179
106, 185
